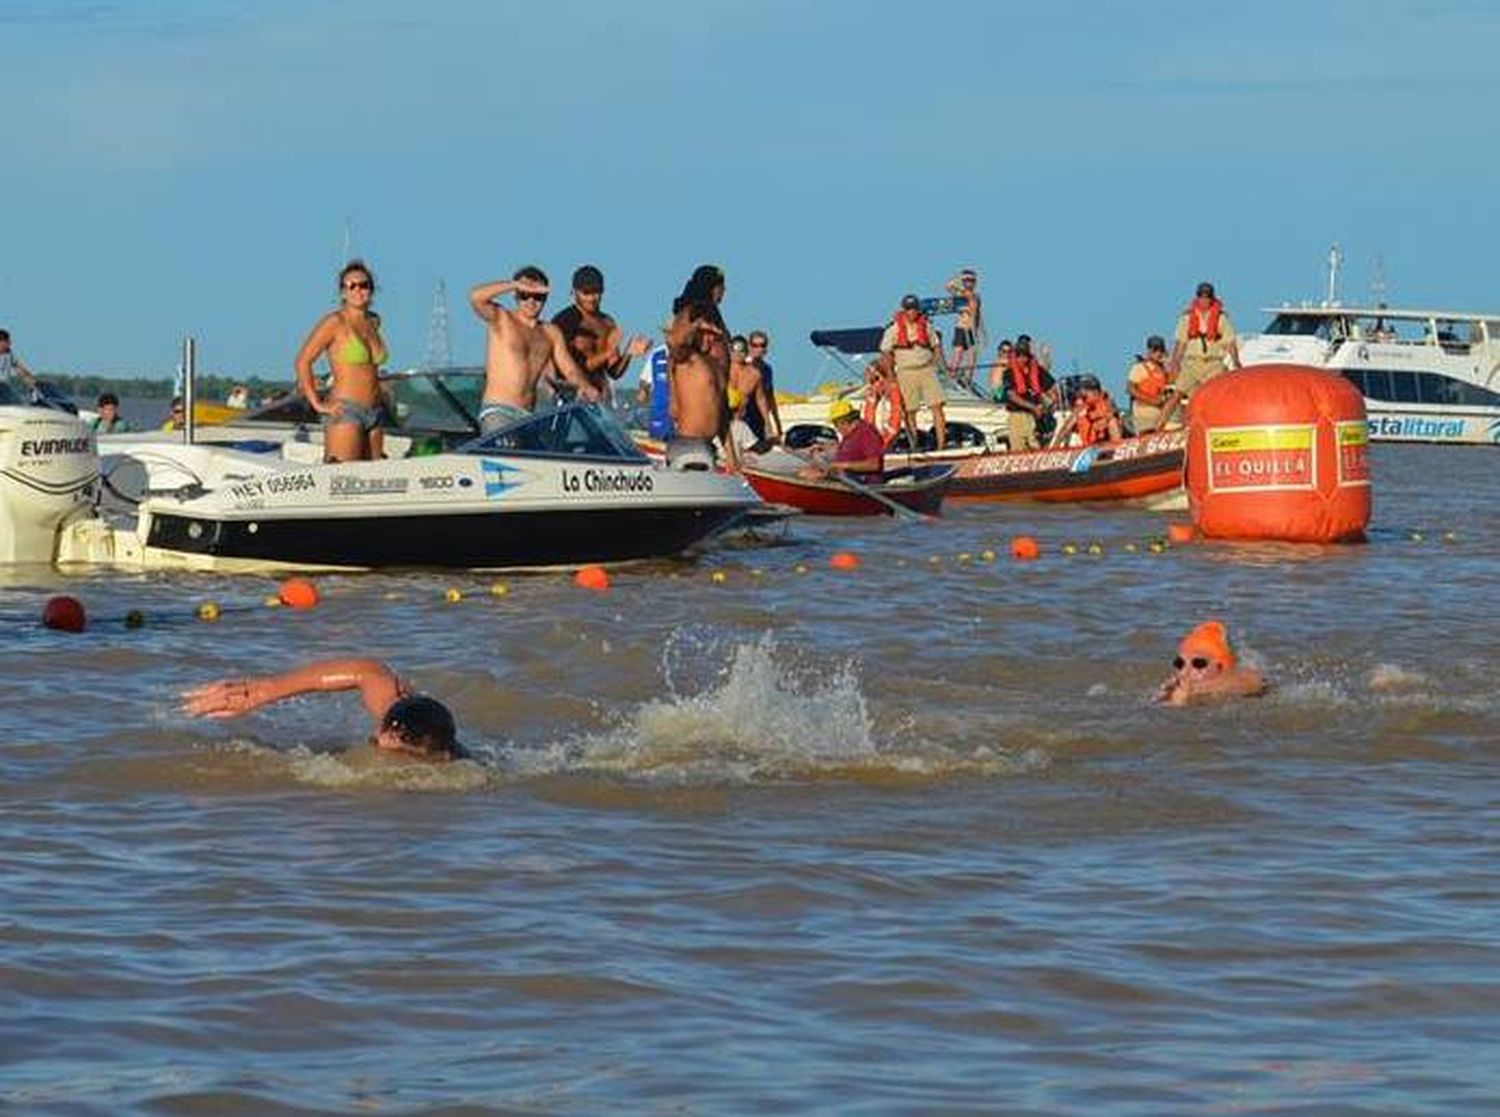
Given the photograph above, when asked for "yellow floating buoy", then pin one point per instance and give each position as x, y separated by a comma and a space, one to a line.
1450, 537
964, 556
718, 577
756, 572
499, 589
1096, 548
1069, 548
208, 611
987, 555
1157, 547
272, 601
1416, 536
453, 595
800, 568
1131, 548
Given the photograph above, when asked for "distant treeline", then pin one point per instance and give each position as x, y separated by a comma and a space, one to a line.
142, 387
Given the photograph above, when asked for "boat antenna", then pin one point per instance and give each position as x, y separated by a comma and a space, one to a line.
1335, 263
439, 353
348, 253
1379, 287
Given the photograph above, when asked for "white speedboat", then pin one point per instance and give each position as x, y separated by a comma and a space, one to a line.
1426, 375
976, 423
561, 488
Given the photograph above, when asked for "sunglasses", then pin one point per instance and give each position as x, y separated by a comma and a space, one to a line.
359, 285
758, 345
532, 296
1199, 662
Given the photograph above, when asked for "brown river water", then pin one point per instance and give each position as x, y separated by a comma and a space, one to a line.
903, 840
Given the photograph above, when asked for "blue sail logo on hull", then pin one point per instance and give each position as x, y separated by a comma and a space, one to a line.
495, 477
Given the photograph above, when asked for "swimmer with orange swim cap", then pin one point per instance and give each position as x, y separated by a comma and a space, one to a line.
1206, 667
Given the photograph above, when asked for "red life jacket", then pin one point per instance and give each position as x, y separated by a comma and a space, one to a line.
1025, 377
1195, 329
922, 337
1092, 418
1155, 383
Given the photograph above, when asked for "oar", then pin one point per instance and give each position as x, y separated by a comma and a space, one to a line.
899, 510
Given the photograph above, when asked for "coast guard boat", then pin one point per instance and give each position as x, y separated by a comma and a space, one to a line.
1426, 375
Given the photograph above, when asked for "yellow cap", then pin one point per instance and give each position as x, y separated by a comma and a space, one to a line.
840, 409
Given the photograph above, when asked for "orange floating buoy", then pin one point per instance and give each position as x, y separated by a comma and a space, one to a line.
844, 560
1181, 533
298, 593
1279, 452
592, 578
64, 614
1024, 547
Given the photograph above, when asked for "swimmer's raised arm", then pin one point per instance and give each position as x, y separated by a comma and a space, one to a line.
377, 684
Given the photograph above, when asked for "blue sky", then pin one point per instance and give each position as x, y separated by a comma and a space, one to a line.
179, 166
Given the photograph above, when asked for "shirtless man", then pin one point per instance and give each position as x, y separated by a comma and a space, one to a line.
965, 287
594, 339
518, 347
698, 373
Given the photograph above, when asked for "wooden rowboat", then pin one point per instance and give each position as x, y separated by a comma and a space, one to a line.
920, 490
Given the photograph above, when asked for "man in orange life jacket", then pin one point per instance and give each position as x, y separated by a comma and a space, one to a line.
1027, 383
1149, 387
916, 348
1206, 343
1094, 418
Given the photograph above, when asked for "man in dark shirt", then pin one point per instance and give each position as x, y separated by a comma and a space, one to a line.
592, 337
766, 423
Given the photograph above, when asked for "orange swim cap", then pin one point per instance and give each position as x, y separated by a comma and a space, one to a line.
1210, 640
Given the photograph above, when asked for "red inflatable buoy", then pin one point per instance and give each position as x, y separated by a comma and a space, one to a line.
1279, 452
64, 614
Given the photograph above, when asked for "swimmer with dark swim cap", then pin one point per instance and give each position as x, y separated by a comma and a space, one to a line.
1206, 667
407, 723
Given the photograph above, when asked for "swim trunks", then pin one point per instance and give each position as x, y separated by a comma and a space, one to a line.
963, 338
497, 416
690, 454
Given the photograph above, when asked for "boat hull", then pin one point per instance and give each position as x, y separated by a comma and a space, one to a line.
822, 497
1138, 468
473, 540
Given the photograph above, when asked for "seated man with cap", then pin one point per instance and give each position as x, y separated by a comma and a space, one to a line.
406, 723
1206, 667
861, 450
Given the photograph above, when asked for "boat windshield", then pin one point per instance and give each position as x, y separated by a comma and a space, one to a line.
574, 430
1307, 325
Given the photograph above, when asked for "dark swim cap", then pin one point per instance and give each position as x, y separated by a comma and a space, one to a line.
423, 723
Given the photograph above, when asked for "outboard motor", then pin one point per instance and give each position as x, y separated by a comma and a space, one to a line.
49, 474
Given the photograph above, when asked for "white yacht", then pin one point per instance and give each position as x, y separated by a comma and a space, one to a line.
1426, 375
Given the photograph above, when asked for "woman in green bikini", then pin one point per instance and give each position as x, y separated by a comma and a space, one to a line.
350, 337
